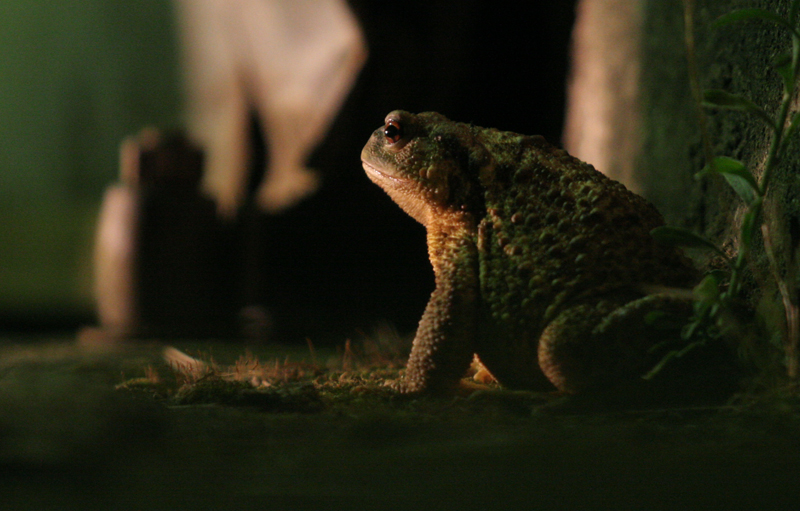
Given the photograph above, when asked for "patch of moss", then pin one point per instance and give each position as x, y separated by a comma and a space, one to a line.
291, 397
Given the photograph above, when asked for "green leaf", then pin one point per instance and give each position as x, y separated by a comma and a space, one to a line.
749, 224
707, 291
676, 237
753, 14
720, 275
742, 187
783, 65
717, 98
736, 174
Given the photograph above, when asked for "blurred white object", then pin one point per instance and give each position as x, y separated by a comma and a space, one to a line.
183, 363
292, 61
603, 110
115, 258
115, 244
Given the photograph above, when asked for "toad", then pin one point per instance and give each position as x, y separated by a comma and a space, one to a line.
545, 269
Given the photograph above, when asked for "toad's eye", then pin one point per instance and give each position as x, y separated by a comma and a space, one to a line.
393, 131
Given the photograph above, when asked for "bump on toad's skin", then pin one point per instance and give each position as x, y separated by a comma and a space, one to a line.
540, 260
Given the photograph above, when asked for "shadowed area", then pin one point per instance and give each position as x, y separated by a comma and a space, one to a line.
68, 440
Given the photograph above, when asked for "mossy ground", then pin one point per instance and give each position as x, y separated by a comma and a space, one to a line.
118, 429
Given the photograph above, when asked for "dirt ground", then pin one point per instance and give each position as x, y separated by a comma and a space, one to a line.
71, 439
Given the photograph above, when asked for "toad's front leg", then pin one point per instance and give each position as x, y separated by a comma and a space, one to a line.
444, 344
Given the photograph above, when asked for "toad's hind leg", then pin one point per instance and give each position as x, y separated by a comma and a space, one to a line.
596, 347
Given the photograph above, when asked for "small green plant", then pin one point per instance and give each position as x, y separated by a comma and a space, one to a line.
715, 295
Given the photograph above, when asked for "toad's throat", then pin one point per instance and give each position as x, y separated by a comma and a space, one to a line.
404, 191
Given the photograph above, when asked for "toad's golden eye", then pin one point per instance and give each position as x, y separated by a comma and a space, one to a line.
393, 131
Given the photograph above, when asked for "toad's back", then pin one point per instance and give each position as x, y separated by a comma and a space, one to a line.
559, 233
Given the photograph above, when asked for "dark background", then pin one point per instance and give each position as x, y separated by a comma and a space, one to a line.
76, 77
348, 256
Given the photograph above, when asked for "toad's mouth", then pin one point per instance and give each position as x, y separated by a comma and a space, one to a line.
381, 177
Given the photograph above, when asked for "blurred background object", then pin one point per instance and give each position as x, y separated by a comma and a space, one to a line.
291, 63
78, 77
163, 266
603, 124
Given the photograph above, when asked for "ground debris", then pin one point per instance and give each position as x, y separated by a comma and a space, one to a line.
289, 397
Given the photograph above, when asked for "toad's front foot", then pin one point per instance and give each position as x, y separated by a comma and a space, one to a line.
410, 386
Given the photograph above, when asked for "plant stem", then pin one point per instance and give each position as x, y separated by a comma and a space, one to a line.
790, 340
733, 285
694, 80
774, 154
790, 309
780, 124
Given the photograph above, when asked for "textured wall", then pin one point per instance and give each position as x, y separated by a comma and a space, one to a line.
664, 144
